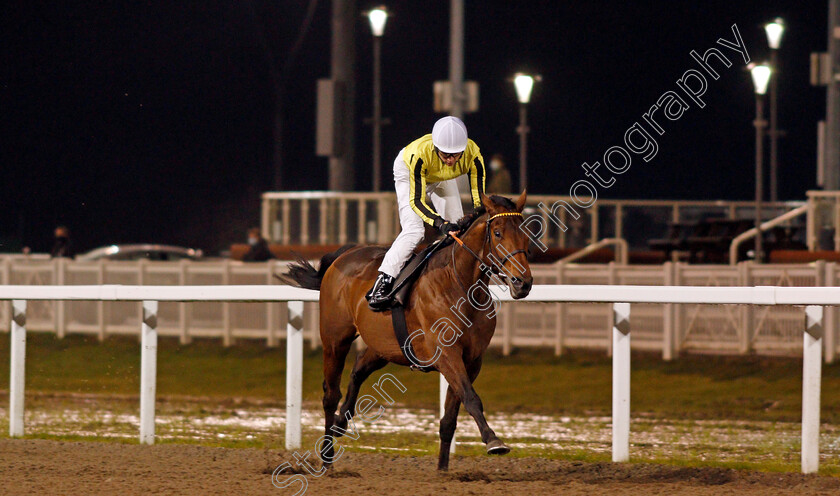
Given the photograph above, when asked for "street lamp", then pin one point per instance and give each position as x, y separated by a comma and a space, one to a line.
760, 76
377, 18
774, 30
524, 83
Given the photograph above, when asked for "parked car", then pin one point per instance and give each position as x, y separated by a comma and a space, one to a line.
141, 251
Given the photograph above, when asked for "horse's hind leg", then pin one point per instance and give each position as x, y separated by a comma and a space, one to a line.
335, 352
367, 362
452, 367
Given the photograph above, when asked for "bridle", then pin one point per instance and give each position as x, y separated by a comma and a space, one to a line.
493, 266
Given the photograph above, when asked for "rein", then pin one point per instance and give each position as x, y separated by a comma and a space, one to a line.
486, 242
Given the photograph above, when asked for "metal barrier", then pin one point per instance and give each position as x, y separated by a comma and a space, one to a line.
814, 298
765, 226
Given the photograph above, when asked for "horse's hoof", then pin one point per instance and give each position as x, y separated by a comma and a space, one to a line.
497, 447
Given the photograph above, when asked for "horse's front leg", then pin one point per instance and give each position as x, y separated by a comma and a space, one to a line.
451, 365
447, 427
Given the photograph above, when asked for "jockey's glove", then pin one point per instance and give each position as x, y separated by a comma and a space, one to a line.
445, 227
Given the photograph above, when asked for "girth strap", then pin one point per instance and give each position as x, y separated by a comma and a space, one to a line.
401, 332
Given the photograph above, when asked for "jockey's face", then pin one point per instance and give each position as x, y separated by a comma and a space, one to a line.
449, 158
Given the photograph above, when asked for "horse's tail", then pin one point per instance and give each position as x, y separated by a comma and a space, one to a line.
301, 273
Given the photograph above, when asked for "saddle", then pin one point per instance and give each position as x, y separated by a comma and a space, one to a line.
401, 291
412, 270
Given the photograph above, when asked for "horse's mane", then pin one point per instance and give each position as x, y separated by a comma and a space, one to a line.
466, 221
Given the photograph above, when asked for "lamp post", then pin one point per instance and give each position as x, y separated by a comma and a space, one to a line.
524, 84
760, 76
774, 31
377, 18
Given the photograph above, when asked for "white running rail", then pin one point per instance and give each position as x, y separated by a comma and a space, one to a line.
814, 298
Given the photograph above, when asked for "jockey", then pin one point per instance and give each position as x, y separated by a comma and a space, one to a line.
426, 170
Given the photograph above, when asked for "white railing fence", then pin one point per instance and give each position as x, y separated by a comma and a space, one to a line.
228, 321
667, 328
815, 298
149, 297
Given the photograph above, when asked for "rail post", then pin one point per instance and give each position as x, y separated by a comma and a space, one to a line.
621, 382
611, 280
60, 307
668, 325
148, 372
294, 373
747, 330
443, 387
830, 324
811, 377
560, 323
17, 373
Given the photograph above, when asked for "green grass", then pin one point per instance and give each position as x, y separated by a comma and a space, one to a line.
578, 383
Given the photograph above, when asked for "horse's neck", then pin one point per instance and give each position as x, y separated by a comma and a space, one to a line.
466, 268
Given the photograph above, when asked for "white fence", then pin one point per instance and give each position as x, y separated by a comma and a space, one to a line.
668, 328
674, 328
815, 298
228, 320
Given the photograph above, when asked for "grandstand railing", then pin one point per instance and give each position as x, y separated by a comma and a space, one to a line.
327, 217
669, 329
815, 298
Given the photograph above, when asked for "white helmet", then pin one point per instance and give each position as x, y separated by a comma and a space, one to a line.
450, 135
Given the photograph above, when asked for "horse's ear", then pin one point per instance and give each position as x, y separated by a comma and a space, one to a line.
520, 202
487, 202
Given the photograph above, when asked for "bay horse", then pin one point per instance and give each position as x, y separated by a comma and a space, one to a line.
452, 290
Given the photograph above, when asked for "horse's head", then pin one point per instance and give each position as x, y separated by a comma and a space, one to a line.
507, 248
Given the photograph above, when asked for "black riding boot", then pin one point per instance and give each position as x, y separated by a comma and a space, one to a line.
379, 297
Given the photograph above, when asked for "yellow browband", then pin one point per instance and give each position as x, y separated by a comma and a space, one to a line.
505, 214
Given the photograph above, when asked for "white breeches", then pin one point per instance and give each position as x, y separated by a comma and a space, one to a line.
446, 201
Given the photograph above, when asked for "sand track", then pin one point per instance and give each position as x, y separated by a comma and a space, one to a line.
56, 467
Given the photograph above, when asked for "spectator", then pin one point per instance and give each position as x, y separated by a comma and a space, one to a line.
259, 251
63, 247
500, 178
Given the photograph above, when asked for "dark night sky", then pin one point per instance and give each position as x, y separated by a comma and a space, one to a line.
152, 121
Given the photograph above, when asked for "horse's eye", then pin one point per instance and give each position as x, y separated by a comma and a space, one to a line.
497, 233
